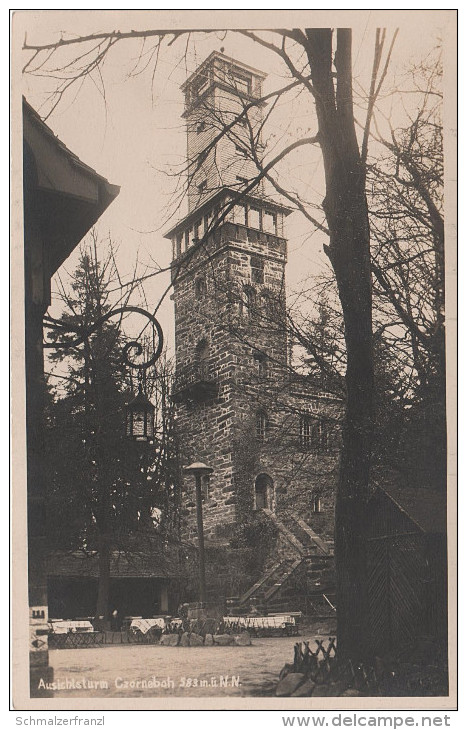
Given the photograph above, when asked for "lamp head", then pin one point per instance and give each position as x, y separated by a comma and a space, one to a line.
198, 468
140, 418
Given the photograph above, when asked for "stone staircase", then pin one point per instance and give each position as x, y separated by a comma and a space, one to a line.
301, 578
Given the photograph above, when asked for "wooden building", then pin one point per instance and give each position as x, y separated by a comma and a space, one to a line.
407, 568
63, 199
139, 583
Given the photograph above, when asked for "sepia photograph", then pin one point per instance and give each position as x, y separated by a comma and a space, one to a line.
233, 359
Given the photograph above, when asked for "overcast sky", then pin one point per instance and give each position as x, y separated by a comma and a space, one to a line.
137, 137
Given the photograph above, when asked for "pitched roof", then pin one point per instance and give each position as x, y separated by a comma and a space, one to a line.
62, 192
425, 507
78, 564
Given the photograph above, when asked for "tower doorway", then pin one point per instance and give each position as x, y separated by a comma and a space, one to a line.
264, 492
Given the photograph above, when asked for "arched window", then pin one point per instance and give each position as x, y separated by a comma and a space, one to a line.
239, 307
264, 492
261, 425
316, 505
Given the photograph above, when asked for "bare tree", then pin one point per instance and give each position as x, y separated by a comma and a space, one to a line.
319, 65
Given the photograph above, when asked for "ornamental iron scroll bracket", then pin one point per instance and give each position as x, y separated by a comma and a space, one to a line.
83, 333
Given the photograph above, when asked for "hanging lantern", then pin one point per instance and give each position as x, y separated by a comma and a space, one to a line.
140, 418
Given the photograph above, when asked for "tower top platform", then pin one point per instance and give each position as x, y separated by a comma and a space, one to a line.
224, 60
222, 72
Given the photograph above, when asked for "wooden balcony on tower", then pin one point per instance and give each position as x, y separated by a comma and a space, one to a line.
195, 382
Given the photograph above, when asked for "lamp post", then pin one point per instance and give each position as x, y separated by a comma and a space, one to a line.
139, 419
140, 410
199, 469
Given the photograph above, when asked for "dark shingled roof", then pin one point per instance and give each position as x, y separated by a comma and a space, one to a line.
123, 564
61, 192
425, 507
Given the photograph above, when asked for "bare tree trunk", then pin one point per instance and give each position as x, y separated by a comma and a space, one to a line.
103, 587
346, 211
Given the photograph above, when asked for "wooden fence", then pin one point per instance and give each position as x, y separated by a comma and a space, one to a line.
409, 676
84, 640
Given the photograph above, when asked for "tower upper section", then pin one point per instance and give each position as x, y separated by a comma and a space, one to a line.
223, 115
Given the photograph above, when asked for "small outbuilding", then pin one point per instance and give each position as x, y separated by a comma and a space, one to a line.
407, 568
139, 584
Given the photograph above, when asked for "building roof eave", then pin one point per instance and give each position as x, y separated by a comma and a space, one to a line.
202, 209
67, 195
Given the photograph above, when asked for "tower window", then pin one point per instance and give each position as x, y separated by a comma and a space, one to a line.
178, 244
257, 269
261, 425
262, 367
202, 358
200, 86
264, 492
268, 308
250, 301
242, 83
269, 223
323, 435
200, 127
316, 505
205, 484
306, 430
253, 218
239, 214
201, 289
315, 433
202, 186
196, 230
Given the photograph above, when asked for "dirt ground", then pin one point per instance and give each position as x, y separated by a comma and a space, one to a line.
160, 671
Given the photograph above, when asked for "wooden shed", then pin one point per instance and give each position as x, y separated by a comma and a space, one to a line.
140, 583
407, 567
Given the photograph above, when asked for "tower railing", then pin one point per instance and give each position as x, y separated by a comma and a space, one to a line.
196, 381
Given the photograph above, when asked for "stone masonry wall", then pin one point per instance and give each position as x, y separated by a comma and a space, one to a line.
220, 318
222, 430
238, 408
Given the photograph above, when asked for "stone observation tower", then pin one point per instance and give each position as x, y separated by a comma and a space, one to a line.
270, 437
